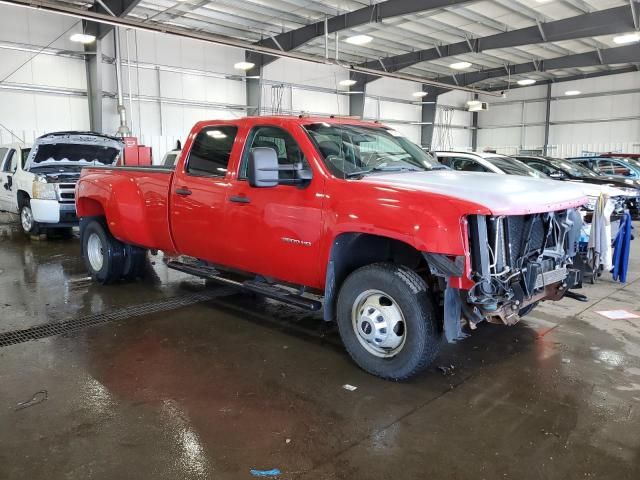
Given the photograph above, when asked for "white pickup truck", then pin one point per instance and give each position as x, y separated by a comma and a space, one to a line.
39, 182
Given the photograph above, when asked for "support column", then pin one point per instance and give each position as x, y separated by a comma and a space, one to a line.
253, 84
358, 94
93, 65
474, 128
547, 121
428, 117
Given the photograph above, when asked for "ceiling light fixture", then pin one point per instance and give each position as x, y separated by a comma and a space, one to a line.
525, 82
347, 83
472, 103
244, 66
420, 94
359, 39
82, 38
460, 65
572, 93
627, 38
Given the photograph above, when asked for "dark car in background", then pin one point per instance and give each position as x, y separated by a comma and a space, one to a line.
620, 167
566, 170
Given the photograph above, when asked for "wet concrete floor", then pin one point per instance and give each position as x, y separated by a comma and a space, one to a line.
217, 388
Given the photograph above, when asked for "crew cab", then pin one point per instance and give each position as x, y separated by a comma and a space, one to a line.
38, 182
343, 216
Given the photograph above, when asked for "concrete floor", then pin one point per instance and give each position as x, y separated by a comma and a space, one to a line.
214, 389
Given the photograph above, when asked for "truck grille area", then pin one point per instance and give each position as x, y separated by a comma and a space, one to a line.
66, 192
515, 259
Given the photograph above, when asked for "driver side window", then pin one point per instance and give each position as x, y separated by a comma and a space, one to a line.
287, 150
546, 169
10, 164
466, 165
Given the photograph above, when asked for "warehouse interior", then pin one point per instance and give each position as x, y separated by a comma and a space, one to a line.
174, 375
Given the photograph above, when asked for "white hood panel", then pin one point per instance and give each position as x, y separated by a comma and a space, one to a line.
501, 194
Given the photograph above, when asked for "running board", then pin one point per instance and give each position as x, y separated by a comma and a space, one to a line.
276, 293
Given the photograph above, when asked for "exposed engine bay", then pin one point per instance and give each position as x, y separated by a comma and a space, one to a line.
519, 260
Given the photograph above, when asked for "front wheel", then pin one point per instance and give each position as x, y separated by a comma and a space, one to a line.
386, 321
29, 225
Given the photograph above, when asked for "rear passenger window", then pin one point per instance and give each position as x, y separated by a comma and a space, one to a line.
211, 151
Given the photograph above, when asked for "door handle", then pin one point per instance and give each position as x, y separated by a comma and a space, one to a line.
183, 191
240, 199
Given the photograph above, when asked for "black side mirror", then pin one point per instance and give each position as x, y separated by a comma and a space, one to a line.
263, 167
9, 184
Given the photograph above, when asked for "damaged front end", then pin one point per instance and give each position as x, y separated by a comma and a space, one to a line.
519, 260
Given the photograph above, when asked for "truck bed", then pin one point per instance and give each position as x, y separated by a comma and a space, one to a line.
139, 215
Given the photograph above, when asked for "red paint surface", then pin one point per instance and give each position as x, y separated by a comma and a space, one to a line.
142, 208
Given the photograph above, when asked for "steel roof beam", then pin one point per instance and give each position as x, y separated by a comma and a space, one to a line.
606, 56
373, 13
571, 78
603, 22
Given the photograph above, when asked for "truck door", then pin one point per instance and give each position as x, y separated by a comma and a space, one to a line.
8, 166
198, 192
275, 231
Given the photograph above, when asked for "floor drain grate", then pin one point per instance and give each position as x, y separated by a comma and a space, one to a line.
58, 328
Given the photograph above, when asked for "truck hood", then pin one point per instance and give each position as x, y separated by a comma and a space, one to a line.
500, 194
73, 150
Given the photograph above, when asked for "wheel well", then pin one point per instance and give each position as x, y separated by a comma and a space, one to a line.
351, 251
88, 207
23, 197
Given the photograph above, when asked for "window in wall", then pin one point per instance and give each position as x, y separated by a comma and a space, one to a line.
211, 150
287, 149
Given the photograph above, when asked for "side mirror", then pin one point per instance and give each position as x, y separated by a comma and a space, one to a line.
9, 184
263, 167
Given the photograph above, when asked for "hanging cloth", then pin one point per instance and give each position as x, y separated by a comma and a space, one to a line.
621, 247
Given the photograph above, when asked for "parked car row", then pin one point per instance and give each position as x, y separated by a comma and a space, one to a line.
593, 174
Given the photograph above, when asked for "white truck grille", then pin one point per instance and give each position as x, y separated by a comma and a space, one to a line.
67, 192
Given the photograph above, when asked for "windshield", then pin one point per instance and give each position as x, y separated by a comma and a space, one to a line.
571, 168
511, 166
69, 153
353, 150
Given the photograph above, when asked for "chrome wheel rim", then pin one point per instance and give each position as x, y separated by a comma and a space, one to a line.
379, 323
26, 218
95, 252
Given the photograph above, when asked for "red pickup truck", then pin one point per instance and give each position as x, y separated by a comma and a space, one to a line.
345, 216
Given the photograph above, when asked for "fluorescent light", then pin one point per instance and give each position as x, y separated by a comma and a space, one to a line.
472, 103
347, 83
526, 82
627, 38
420, 94
82, 38
217, 134
460, 65
572, 93
359, 39
244, 66
544, 1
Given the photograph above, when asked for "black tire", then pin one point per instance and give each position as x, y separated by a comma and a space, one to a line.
134, 262
409, 292
29, 227
112, 252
